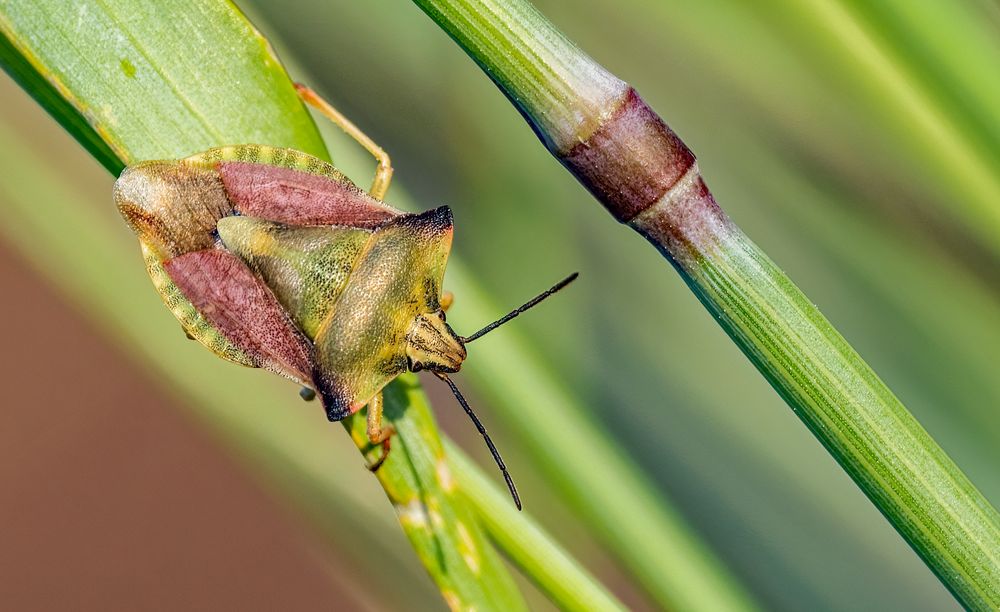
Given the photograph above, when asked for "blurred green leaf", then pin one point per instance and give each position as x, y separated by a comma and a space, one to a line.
952, 135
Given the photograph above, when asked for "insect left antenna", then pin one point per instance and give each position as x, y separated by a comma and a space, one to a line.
482, 431
530, 304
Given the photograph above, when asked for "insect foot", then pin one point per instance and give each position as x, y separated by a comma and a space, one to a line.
374, 467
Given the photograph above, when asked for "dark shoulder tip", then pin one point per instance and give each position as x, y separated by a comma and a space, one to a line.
440, 217
438, 220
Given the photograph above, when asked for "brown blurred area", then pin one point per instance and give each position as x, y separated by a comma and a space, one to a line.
111, 500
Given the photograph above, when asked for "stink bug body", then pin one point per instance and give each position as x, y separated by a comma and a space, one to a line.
272, 258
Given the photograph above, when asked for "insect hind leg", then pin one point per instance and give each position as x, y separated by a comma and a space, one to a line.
383, 172
378, 432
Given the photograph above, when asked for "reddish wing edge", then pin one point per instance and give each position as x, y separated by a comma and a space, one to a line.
295, 197
239, 305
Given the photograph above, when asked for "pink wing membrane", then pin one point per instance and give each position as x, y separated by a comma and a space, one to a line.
238, 304
294, 197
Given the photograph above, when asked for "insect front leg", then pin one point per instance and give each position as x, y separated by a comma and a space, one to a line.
383, 173
447, 299
378, 432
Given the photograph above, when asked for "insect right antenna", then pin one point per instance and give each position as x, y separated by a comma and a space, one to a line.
530, 304
482, 431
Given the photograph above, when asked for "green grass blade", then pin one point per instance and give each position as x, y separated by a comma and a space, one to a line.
156, 81
46, 94
428, 504
891, 457
555, 572
951, 53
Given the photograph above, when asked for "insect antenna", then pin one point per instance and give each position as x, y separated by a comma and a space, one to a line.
482, 431
530, 304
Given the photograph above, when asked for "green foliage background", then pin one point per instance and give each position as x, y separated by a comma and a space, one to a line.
811, 151
837, 134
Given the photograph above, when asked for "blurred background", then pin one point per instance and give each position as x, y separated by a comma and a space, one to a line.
857, 143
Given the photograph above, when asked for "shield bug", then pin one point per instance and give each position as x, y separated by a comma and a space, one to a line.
272, 258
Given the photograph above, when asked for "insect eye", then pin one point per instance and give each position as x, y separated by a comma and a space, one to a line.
413, 367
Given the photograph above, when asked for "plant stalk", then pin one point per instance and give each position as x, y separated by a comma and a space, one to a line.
621, 150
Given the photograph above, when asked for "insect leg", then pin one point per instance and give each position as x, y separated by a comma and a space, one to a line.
447, 299
378, 433
383, 173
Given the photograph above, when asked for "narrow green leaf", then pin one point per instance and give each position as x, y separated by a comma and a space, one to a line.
163, 80
554, 571
45, 93
896, 463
